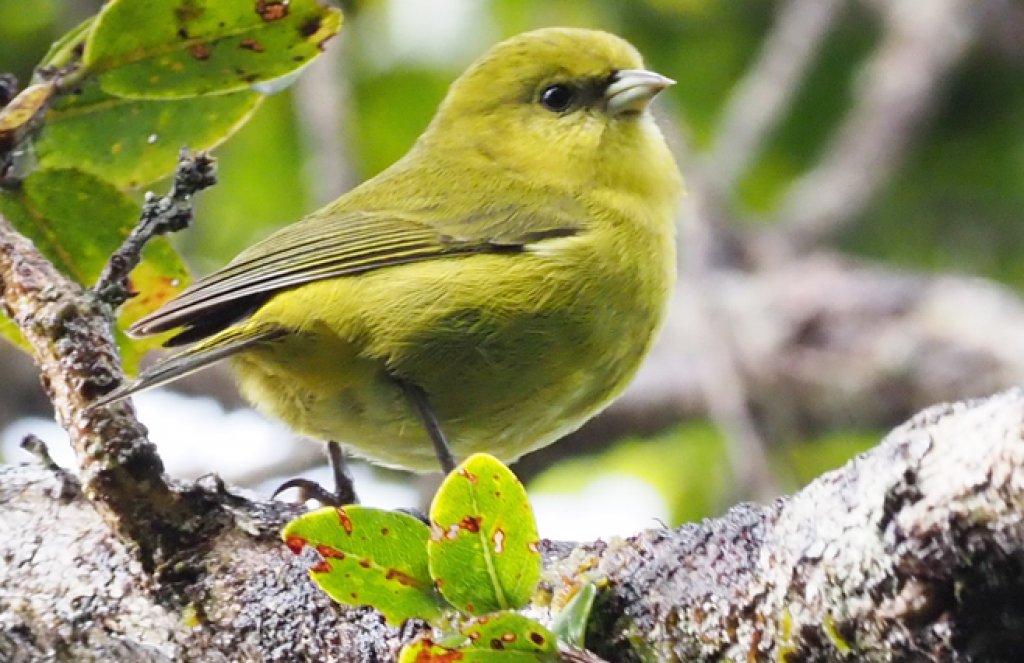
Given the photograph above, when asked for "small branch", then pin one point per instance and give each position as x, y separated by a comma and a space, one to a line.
160, 215
70, 487
762, 96
896, 93
719, 375
323, 104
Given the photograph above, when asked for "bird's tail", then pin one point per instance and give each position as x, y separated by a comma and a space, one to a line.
220, 346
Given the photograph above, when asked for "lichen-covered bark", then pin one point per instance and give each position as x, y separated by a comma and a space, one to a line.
913, 551
68, 330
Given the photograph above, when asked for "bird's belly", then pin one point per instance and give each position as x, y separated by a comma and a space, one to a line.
506, 376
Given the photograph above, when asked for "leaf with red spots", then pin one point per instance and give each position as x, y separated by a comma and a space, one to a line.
483, 538
369, 557
505, 637
161, 49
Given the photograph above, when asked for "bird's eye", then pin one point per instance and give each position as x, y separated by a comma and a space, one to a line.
557, 98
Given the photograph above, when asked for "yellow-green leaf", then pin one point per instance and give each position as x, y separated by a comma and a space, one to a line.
483, 547
504, 637
10, 331
132, 142
369, 557
182, 48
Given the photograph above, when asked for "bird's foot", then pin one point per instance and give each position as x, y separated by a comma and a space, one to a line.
344, 491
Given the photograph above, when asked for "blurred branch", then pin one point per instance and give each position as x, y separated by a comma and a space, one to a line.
922, 541
922, 42
722, 384
823, 342
760, 99
322, 99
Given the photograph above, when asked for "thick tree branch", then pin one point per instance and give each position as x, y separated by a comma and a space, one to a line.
72, 345
919, 558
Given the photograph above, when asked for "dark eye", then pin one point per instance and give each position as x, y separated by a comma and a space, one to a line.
557, 98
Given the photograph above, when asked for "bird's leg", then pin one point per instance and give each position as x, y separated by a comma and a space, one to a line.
344, 491
418, 399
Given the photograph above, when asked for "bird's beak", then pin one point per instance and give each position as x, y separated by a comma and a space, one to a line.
632, 89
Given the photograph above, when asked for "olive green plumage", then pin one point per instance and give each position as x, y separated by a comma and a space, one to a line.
514, 265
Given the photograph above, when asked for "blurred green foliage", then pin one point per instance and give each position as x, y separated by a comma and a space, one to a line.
957, 203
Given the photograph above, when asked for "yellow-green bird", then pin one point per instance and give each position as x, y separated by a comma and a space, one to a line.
490, 291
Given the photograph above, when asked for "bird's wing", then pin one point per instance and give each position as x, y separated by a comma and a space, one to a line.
190, 360
331, 244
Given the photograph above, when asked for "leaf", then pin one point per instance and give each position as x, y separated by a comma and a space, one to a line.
182, 48
69, 47
483, 547
571, 624
369, 557
505, 637
77, 220
133, 142
10, 331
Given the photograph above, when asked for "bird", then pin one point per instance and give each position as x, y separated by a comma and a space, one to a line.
490, 291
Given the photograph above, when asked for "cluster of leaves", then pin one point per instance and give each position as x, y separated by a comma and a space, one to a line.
465, 574
111, 104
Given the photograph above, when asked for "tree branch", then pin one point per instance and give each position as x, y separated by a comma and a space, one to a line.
894, 96
72, 345
918, 559
160, 215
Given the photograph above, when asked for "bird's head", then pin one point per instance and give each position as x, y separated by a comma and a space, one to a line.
563, 105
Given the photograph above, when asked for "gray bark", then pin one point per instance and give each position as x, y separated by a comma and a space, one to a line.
911, 552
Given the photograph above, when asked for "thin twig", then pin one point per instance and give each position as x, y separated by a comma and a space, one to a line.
702, 235
761, 98
896, 93
160, 215
70, 486
323, 104
577, 655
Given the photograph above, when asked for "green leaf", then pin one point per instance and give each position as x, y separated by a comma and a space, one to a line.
483, 547
132, 142
571, 624
182, 48
10, 331
77, 220
505, 637
369, 557
69, 47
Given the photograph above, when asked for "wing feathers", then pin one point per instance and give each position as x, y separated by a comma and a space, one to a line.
328, 245
225, 344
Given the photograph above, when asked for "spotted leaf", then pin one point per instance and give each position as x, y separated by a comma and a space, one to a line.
369, 557
504, 637
483, 547
182, 48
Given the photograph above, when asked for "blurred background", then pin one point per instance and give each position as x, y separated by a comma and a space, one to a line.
850, 249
